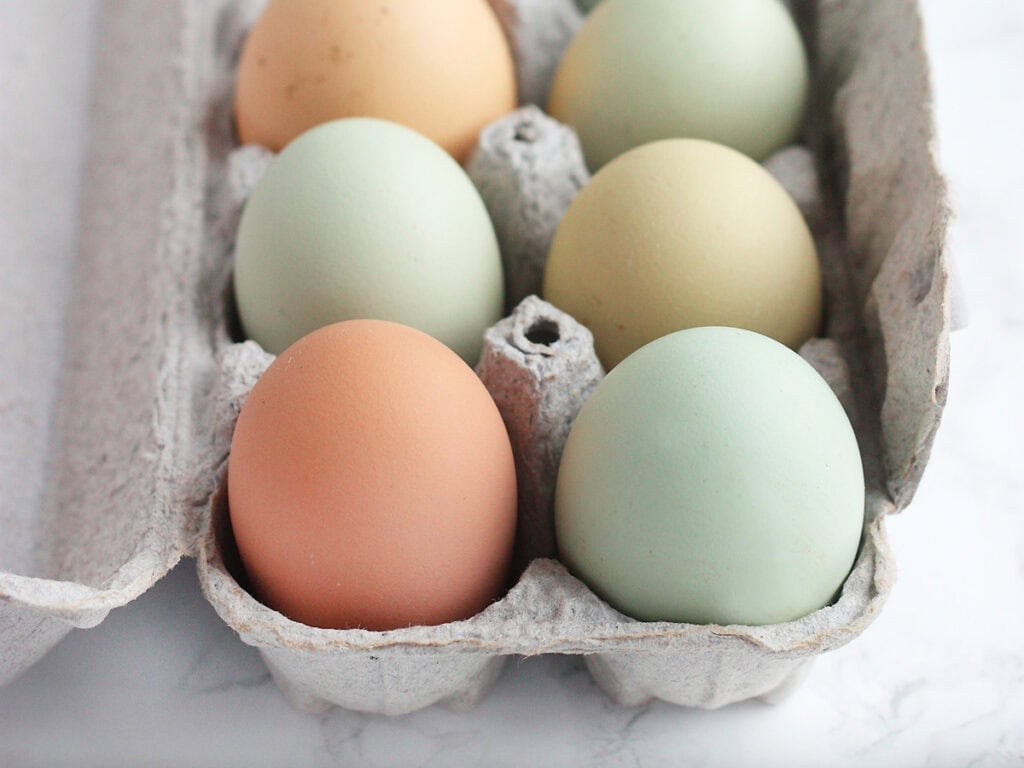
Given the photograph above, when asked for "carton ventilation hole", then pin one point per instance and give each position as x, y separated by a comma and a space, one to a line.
526, 132
543, 332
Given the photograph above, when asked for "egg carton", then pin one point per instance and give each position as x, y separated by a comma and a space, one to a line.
155, 370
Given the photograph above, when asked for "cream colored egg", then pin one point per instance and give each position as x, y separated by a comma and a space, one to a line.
684, 233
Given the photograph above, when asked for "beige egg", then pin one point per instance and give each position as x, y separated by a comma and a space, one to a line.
679, 234
443, 68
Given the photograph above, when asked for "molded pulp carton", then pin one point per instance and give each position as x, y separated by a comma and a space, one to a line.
155, 373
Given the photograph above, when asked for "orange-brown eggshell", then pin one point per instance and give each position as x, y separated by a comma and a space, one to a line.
371, 482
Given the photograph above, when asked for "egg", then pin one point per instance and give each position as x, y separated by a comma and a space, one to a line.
371, 482
678, 234
711, 478
362, 218
443, 68
730, 71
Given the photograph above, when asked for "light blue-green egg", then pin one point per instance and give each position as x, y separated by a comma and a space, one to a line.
729, 71
711, 478
362, 218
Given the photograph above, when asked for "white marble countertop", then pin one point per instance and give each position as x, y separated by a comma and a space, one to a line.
938, 680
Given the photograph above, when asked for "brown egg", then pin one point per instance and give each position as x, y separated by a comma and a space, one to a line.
371, 482
442, 68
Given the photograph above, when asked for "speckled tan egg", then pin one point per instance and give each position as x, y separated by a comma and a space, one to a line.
442, 68
371, 482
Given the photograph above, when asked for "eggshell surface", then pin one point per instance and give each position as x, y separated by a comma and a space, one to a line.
442, 68
362, 218
678, 234
730, 71
711, 478
371, 482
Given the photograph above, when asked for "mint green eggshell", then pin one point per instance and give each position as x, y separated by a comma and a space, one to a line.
711, 478
730, 71
362, 218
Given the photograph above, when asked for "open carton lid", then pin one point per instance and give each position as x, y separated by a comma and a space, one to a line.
122, 496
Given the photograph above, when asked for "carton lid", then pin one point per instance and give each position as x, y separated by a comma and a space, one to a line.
120, 504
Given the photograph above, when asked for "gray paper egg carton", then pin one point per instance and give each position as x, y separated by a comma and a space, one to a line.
154, 375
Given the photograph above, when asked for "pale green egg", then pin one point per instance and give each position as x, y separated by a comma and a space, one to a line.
730, 71
711, 478
361, 218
